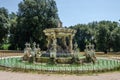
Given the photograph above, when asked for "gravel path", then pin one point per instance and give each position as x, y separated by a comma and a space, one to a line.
29, 76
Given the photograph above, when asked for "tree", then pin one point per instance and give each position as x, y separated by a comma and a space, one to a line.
83, 35
4, 24
102, 38
104, 35
33, 17
12, 30
116, 39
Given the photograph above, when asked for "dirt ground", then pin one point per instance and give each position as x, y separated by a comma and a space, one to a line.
32, 76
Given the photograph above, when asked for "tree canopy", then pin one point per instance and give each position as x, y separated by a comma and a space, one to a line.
104, 34
32, 18
4, 24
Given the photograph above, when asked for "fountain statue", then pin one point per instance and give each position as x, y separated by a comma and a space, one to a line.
31, 53
90, 53
76, 50
27, 52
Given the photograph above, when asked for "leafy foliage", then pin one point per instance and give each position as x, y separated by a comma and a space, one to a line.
116, 39
4, 24
33, 17
12, 31
104, 34
83, 35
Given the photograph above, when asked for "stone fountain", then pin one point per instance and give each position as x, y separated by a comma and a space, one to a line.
60, 48
60, 35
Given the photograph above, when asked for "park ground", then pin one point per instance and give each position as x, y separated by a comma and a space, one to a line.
32, 76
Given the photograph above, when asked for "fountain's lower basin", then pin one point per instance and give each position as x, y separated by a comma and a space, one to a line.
101, 64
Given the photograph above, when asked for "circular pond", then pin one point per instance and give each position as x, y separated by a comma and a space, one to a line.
101, 64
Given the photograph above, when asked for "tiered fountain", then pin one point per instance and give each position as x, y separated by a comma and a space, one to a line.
60, 48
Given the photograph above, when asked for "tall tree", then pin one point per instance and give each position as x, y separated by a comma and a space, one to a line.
4, 24
104, 35
33, 17
12, 30
116, 39
83, 35
102, 38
